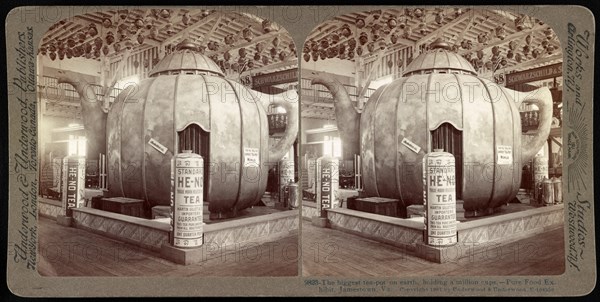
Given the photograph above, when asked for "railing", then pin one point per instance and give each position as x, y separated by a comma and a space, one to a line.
50, 89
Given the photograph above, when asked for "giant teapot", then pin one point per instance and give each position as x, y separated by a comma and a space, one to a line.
440, 102
186, 103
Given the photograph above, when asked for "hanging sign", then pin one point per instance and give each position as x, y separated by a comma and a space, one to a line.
275, 78
535, 74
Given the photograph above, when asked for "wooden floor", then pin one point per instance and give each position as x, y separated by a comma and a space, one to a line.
328, 252
68, 251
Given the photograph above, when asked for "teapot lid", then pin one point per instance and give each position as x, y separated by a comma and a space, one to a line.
186, 59
439, 59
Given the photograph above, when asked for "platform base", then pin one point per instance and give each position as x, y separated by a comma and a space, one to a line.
182, 256
481, 233
64, 220
321, 222
438, 254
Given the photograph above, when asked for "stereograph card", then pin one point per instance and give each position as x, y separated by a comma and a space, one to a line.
300, 151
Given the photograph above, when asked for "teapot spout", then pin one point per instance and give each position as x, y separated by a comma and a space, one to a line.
94, 118
347, 118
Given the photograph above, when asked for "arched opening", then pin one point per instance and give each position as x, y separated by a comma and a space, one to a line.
194, 138
450, 139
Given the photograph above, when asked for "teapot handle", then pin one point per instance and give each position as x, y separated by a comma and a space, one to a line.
531, 144
290, 104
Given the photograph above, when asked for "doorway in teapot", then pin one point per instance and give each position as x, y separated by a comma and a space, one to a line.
450, 139
194, 138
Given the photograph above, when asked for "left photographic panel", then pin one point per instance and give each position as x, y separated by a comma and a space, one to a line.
167, 145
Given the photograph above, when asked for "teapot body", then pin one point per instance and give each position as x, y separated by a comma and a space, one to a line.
472, 118
149, 123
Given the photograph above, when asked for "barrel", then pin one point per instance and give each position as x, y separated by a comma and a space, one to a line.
292, 195
540, 172
547, 192
557, 183
187, 190
286, 174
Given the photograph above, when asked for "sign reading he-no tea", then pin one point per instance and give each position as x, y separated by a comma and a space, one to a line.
187, 189
439, 191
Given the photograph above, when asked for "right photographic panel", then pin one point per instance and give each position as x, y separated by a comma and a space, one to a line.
432, 145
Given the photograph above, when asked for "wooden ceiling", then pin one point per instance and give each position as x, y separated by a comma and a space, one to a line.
167, 27
513, 37
423, 26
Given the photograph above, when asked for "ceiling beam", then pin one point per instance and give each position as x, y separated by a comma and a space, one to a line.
283, 65
246, 43
211, 31
532, 63
468, 14
509, 38
190, 28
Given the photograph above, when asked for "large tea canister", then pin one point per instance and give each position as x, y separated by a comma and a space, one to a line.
73, 183
292, 195
312, 172
547, 192
187, 197
540, 172
439, 198
557, 184
286, 174
327, 183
